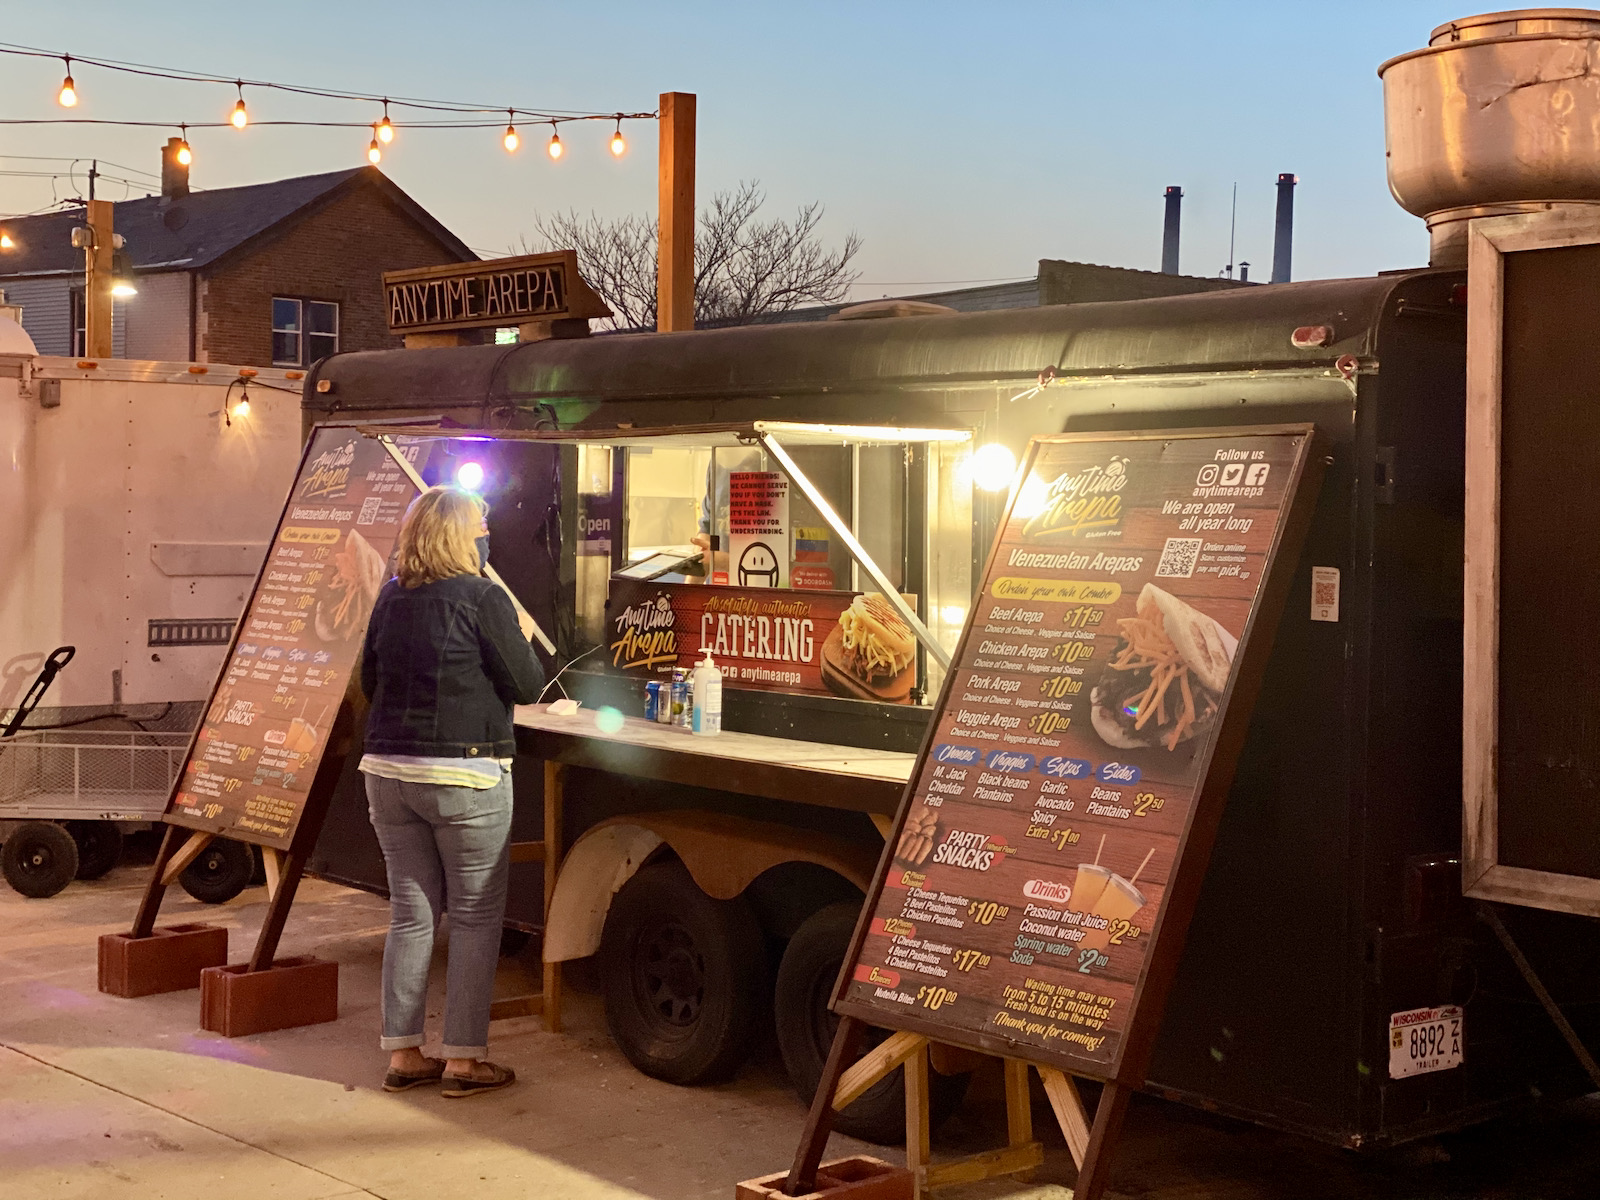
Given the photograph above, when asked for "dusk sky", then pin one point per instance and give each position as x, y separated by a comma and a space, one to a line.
962, 142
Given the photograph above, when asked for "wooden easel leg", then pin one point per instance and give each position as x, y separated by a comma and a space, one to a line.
1068, 1107
1019, 1109
144, 921
819, 1121
272, 864
1489, 917
1094, 1176
554, 780
278, 912
918, 1141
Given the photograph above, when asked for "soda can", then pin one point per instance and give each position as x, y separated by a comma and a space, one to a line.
652, 700
682, 698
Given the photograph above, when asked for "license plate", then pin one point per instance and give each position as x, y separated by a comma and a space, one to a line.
1424, 1040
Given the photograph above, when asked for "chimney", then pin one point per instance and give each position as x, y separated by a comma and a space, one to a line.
174, 175
1283, 234
1244, 272
1169, 233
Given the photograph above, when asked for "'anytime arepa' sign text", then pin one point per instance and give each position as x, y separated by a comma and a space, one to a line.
484, 295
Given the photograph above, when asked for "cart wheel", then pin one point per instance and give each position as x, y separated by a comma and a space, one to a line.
40, 858
685, 976
220, 873
99, 846
805, 1032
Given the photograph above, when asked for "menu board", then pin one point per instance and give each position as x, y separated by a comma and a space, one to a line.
251, 764
1026, 885
826, 643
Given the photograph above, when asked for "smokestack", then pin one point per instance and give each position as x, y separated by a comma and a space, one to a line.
1169, 233
1283, 234
174, 175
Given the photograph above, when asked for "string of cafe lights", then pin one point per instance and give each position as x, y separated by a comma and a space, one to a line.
384, 129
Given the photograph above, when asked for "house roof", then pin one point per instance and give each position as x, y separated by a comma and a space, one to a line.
203, 227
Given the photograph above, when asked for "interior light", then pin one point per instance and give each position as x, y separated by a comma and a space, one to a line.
470, 476
242, 409
1031, 498
68, 95
993, 466
953, 614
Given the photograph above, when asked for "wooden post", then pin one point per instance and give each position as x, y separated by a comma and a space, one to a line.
97, 282
819, 1121
554, 774
675, 253
918, 1124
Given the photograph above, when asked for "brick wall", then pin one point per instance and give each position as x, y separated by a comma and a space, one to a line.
338, 251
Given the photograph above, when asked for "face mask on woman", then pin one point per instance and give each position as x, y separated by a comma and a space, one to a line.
483, 551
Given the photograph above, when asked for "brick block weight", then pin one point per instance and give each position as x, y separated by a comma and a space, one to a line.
235, 1001
169, 960
855, 1178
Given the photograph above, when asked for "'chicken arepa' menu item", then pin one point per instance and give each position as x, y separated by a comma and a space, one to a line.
252, 762
1022, 899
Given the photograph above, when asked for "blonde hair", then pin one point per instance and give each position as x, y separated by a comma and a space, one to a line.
438, 538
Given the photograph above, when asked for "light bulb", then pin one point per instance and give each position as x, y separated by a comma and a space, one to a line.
555, 145
240, 118
618, 145
374, 151
242, 409
470, 476
68, 95
123, 288
511, 140
993, 466
385, 131
185, 156
6, 243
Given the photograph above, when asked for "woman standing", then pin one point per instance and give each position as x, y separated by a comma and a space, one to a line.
444, 662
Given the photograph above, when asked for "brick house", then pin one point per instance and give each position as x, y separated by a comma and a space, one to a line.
271, 274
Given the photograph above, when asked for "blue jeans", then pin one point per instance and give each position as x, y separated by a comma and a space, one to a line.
442, 841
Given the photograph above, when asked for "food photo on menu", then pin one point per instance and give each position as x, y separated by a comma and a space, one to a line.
871, 654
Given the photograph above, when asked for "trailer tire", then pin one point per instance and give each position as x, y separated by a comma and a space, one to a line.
685, 976
99, 847
220, 873
805, 1032
39, 859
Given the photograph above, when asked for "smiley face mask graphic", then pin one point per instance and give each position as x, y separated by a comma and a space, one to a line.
758, 566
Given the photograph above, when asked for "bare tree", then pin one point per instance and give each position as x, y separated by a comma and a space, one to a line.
744, 266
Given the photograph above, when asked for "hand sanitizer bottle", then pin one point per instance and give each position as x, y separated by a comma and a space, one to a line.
707, 684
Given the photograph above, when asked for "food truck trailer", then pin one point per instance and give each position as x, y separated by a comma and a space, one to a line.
717, 879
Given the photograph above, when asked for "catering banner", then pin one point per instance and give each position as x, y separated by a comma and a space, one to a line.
1032, 861
825, 643
252, 762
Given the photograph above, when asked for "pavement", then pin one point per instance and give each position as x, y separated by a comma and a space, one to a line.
110, 1099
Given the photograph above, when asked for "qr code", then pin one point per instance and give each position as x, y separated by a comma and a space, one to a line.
369, 510
1178, 558
1324, 593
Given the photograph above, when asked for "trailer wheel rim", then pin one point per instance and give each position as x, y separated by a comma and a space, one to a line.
671, 974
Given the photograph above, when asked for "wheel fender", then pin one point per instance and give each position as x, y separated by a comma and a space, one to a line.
723, 854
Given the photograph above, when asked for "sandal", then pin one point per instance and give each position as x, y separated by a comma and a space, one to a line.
457, 1086
400, 1081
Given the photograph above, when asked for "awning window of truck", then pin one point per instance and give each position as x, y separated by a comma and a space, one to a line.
804, 507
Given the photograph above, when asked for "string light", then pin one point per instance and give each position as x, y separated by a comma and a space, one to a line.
619, 146
374, 151
555, 142
240, 118
185, 156
68, 95
385, 128
511, 140
6, 243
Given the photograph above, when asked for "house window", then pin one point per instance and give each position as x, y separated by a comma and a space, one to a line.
80, 325
303, 331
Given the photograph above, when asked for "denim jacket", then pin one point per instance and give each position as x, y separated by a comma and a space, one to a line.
443, 663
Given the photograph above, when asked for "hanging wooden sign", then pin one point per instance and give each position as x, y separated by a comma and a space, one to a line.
489, 295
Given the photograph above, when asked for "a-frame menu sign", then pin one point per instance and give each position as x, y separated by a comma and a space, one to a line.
1037, 886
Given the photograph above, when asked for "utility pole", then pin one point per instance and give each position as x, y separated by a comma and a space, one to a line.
675, 250
97, 254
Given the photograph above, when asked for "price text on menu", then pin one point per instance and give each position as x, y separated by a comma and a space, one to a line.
1050, 807
265, 730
